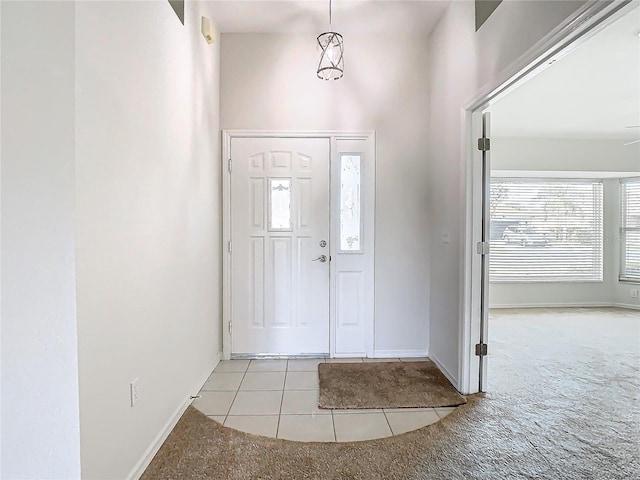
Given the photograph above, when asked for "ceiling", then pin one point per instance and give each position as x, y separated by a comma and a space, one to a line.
593, 92
312, 16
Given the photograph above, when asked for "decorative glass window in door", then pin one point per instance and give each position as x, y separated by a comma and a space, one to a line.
280, 204
350, 204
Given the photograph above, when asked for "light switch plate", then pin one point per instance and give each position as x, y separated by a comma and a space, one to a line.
135, 392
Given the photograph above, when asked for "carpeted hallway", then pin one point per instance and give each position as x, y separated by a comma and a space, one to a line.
563, 404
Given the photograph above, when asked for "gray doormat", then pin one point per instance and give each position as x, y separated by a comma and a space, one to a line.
385, 385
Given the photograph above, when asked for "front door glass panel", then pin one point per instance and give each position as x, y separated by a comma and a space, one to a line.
350, 204
279, 204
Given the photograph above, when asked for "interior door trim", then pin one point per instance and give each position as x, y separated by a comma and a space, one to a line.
585, 22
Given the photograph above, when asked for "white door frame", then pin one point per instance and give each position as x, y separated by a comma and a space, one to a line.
590, 19
369, 188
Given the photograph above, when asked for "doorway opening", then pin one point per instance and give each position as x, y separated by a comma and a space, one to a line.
537, 224
298, 220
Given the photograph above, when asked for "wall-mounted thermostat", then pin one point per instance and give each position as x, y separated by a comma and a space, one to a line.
208, 31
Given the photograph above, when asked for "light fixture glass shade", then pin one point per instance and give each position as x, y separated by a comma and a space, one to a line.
331, 65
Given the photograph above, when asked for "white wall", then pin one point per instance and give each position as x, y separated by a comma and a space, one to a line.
563, 154
456, 76
570, 156
268, 82
452, 51
148, 223
40, 425
1, 327
513, 28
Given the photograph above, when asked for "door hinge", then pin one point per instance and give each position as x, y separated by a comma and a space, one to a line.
230, 165
484, 144
229, 246
481, 349
483, 248
229, 327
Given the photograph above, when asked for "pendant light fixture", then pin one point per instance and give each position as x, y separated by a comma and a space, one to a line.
331, 65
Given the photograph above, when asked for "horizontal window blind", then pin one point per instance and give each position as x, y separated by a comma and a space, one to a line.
546, 230
630, 231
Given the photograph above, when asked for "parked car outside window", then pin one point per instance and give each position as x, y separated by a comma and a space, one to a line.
525, 236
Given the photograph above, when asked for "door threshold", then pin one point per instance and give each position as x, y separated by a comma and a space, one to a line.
276, 356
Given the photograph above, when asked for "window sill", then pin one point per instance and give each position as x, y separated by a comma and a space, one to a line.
542, 282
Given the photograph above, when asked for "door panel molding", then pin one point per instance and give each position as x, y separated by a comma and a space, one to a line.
358, 142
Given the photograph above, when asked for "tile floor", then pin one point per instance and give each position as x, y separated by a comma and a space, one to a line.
279, 399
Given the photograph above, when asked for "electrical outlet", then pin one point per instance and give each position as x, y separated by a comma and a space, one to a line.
634, 293
135, 391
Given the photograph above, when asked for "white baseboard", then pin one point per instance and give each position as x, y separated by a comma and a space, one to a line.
400, 353
446, 372
148, 455
626, 305
551, 305
566, 305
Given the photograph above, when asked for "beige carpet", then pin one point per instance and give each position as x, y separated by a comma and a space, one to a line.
385, 385
563, 406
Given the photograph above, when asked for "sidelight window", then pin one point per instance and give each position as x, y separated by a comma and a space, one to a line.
350, 204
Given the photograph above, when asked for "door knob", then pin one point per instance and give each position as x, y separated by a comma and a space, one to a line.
322, 258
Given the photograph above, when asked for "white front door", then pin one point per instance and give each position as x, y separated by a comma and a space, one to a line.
280, 252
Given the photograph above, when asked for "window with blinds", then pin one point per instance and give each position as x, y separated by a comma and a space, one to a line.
630, 231
546, 230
